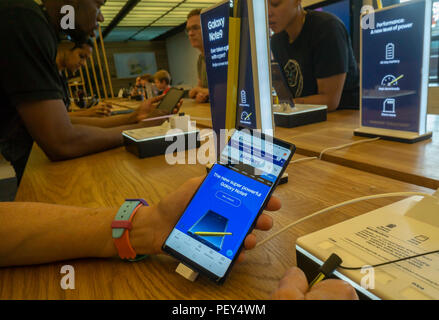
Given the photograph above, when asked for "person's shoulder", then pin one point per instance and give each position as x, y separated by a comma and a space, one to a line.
321, 19
19, 15
21, 5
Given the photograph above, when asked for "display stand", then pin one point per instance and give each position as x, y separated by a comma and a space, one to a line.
394, 73
153, 141
402, 229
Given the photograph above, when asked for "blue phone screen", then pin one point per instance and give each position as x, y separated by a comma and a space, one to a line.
228, 202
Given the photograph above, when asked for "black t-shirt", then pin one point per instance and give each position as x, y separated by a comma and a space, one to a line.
321, 50
28, 72
65, 87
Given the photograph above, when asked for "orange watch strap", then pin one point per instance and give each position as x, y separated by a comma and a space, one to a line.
121, 226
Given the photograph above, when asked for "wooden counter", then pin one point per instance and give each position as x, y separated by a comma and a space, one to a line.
107, 178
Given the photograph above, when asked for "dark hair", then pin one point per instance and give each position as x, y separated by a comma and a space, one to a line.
147, 77
195, 12
81, 44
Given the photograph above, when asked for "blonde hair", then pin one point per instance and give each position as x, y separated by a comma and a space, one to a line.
163, 75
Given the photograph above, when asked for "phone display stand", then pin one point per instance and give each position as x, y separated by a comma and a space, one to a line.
154, 141
401, 229
186, 272
287, 117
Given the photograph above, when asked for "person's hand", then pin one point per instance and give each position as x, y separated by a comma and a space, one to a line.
201, 97
154, 225
148, 108
102, 109
193, 93
294, 286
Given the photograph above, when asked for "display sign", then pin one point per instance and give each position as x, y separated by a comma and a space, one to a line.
395, 64
215, 29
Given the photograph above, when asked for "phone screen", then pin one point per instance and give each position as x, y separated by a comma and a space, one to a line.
211, 231
170, 100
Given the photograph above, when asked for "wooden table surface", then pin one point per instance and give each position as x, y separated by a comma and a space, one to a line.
416, 163
107, 178
413, 163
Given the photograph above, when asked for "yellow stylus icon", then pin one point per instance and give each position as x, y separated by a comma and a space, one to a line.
248, 116
212, 234
400, 77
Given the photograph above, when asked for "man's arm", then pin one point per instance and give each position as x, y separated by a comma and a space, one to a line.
329, 92
31, 229
107, 122
50, 126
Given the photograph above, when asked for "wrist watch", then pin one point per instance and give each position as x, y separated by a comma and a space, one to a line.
121, 226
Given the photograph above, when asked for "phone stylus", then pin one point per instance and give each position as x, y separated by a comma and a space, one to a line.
212, 234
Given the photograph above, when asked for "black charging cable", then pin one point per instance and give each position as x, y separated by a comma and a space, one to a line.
326, 270
390, 262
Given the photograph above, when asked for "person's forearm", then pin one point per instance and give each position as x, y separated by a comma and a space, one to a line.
35, 233
86, 140
320, 99
107, 122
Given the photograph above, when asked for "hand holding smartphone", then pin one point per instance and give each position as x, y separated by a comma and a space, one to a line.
170, 100
210, 234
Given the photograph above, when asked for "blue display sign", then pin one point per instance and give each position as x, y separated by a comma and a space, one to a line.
215, 29
394, 61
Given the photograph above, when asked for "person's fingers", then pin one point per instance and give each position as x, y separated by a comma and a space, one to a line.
157, 99
178, 200
287, 294
332, 289
273, 204
264, 222
250, 242
241, 257
294, 277
292, 286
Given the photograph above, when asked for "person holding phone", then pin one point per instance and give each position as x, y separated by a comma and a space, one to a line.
34, 110
211, 232
162, 81
170, 101
32, 228
71, 57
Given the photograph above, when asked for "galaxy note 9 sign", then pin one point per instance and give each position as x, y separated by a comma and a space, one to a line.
394, 79
215, 27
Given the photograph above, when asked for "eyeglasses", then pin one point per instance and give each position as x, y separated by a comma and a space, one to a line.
193, 28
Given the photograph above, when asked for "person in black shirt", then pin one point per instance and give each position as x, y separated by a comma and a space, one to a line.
314, 50
33, 110
71, 57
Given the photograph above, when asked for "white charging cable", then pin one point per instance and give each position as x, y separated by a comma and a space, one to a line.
346, 145
377, 196
334, 148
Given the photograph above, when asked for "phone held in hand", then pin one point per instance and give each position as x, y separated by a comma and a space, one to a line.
171, 99
210, 234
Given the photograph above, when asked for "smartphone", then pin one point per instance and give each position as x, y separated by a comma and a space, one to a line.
210, 234
171, 100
